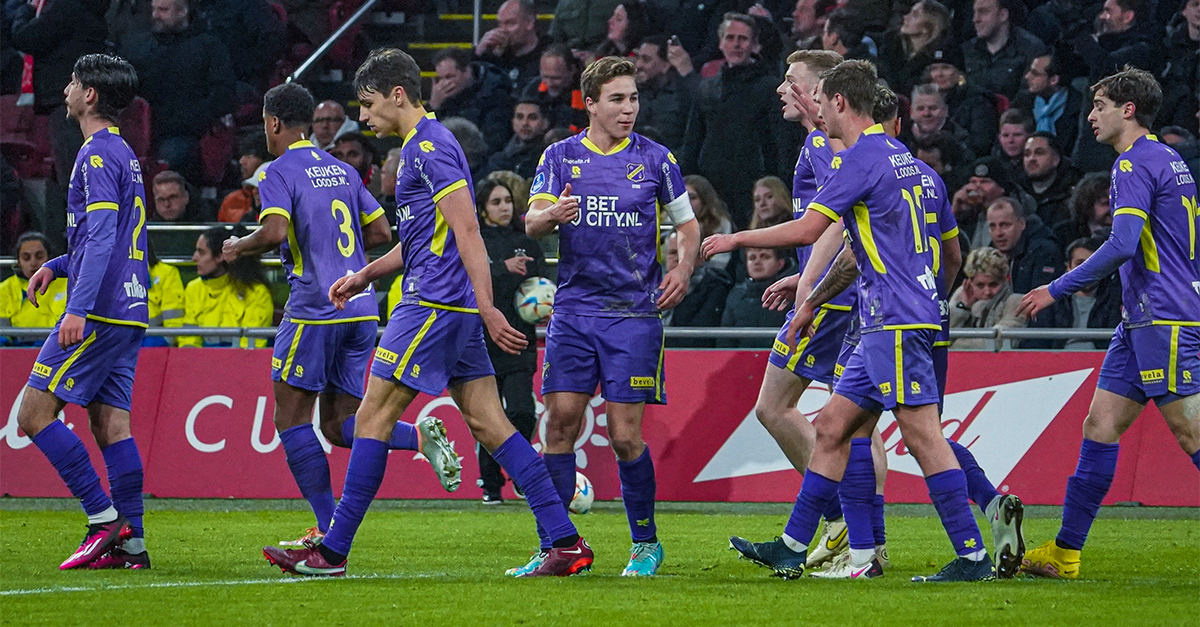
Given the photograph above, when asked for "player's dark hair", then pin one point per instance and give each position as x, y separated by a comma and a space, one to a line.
483, 191
461, 57
246, 269
1136, 86
31, 236
600, 72
388, 68
292, 103
817, 61
1017, 116
855, 80
368, 146
1051, 140
887, 104
1090, 189
113, 78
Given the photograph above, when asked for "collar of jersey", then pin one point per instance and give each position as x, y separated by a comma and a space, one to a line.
428, 116
874, 130
587, 143
1150, 136
304, 143
111, 129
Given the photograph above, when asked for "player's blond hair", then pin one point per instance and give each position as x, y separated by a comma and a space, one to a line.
601, 71
816, 61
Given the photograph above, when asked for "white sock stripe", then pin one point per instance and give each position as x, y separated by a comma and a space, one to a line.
201, 584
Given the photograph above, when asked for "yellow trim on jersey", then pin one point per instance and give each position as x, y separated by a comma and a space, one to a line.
1131, 211
899, 366
1175, 323
413, 131
304, 143
1149, 249
294, 246
291, 356
837, 307
823, 210
949, 235
114, 130
103, 204
911, 327
338, 321
425, 303
658, 229
874, 130
441, 233
124, 323
862, 217
543, 196
456, 185
803, 344
621, 145
70, 360
367, 218
1173, 362
412, 346
274, 211
942, 344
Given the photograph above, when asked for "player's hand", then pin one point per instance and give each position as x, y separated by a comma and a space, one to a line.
70, 332
346, 288
804, 102
503, 334
516, 265
717, 244
229, 249
800, 326
673, 288
38, 284
781, 294
1035, 301
566, 208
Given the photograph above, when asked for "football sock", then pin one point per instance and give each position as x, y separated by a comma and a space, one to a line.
638, 489
857, 495
979, 488
65, 451
948, 491
561, 467
404, 435
521, 462
364, 475
877, 521
306, 459
815, 492
833, 511
125, 478
1085, 490
1196, 460
862, 557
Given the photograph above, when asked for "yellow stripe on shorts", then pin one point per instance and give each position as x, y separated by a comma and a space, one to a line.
412, 346
291, 356
70, 360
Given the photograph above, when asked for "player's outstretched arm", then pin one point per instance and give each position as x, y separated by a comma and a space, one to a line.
270, 234
840, 276
674, 285
543, 216
824, 251
459, 212
351, 285
792, 233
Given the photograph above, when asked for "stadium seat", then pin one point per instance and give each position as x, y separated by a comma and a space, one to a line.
1002, 103
25, 139
135, 127
216, 148
341, 54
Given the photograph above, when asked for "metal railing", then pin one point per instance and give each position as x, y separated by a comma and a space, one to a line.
333, 39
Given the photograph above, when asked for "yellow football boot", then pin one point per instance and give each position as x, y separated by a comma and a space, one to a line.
1051, 560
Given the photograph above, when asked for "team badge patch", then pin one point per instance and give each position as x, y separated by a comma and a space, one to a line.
635, 172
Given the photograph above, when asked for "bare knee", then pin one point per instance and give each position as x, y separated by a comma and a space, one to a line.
627, 447
38, 410
1099, 429
767, 415
332, 430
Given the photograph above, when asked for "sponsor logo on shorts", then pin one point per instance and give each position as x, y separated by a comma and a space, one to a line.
1187, 376
70, 383
809, 361
545, 370
885, 388
1152, 376
385, 355
915, 387
276, 363
781, 348
838, 369
641, 382
41, 370
299, 371
415, 372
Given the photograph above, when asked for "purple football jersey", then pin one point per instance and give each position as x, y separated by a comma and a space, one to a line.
941, 226
812, 168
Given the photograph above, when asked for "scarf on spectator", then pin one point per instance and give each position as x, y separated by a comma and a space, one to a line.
1047, 112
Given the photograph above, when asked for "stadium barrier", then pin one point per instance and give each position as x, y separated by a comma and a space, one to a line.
202, 418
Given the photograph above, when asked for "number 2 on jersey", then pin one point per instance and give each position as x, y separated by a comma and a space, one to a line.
341, 213
134, 252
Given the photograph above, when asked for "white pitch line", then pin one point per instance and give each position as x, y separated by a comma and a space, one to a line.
201, 584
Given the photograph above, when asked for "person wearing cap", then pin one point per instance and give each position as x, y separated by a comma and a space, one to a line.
1034, 257
972, 108
996, 58
1049, 97
989, 180
919, 41
1048, 178
244, 204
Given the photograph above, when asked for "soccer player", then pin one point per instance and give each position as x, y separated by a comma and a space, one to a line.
320, 214
892, 368
1153, 353
434, 337
91, 355
607, 325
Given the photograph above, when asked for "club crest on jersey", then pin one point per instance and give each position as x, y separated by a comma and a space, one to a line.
635, 172
426, 146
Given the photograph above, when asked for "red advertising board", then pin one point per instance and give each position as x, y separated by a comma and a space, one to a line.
202, 418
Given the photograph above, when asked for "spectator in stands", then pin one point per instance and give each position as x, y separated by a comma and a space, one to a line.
1048, 178
997, 57
704, 304
127, 20
772, 203
557, 89
710, 212
1126, 36
164, 299
732, 133
1015, 128
473, 90
62, 32
972, 108
989, 180
225, 294
1094, 307
187, 78
630, 23
1054, 104
358, 152
524, 150
581, 23
252, 152
513, 46
253, 35
944, 156
1027, 243
843, 34
665, 96
930, 117
329, 123
514, 257
474, 144
808, 26
518, 186
16, 310
1181, 74
986, 299
243, 205
919, 41
1090, 213
387, 184
743, 306
173, 199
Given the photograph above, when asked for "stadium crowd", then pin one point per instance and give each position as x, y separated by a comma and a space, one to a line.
995, 98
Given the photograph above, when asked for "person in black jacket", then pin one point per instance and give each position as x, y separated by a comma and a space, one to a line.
474, 90
744, 308
1053, 104
705, 300
521, 154
1028, 244
1095, 307
514, 257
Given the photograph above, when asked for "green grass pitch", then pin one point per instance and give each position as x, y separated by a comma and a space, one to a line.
420, 563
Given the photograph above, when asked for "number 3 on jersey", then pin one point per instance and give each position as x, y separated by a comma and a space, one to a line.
341, 213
